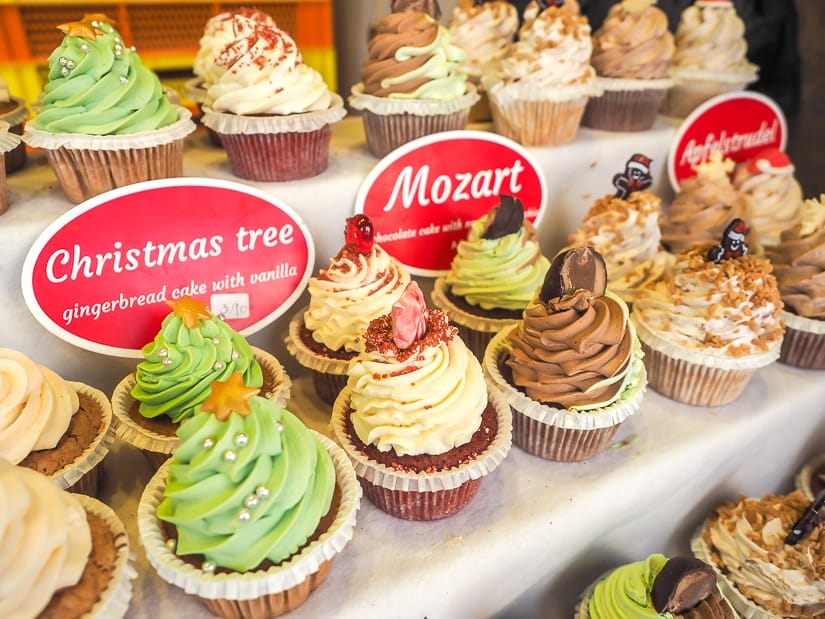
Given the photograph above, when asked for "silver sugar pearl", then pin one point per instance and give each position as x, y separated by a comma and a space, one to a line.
123, 79
280, 427
229, 455
118, 40
251, 501
70, 63
118, 52
133, 48
62, 61
118, 47
262, 492
216, 340
208, 442
167, 361
218, 365
235, 354
163, 352
64, 71
84, 47
269, 395
208, 567
171, 544
244, 515
241, 439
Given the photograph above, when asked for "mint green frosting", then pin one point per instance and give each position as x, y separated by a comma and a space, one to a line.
262, 502
98, 86
181, 363
502, 273
625, 592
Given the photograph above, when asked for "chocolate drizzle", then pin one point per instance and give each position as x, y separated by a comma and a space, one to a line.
430, 7
574, 269
682, 584
505, 218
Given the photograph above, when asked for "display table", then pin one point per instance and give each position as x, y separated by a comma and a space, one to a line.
537, 532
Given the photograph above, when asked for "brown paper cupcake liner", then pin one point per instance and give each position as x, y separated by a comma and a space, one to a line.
15, 158
4, 193
623, 110
420, 506
278, 156
538, 123
559, 444
804, 343
328, 386
386, 132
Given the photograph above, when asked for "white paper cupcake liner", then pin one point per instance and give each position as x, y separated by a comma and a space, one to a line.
16, 115
8, 141
235, 124
143, 139
385, 106
800, 323
738, 78
93, 455
605, 417
504, 94
194, 90
804, 479
250, 585
742, 605
719, 361
305, 355
129, 431
408, 481
114, 601
615, 83
462, 317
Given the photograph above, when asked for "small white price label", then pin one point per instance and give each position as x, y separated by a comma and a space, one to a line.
232, 305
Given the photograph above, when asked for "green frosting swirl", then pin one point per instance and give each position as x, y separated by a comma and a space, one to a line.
181, 363
98, 86
261, 502
625, 592
477, 268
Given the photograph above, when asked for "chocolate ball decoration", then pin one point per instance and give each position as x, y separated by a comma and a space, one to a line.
682, 584
507, 217
574, 269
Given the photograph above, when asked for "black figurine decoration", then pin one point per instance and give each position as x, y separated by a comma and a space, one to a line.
636, 176
733, 242
809, 519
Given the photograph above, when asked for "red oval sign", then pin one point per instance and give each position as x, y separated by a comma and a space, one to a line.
100, 275
423, 196
739, 124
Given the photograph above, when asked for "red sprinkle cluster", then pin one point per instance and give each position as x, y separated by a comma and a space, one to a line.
378, 336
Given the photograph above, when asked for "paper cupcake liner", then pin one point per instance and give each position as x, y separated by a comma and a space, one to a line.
538, 123
558, 434
385, 106
114, 601
739, 79
226, 123
8, 140
803, 345
687, 94
503, 94
194, 90
624, 110
745, 607
16, 115
419, 496
804, 479
158, 447
277, 157
251, 586
4, 194
386, 132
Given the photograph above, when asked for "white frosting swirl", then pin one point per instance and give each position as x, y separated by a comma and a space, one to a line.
428, 404
484, 32
812, 217
348, 294
264, 73
46, 541
36, 406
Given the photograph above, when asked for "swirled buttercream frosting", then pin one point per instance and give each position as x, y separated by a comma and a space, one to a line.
46, 541
36, 406
424, 399
249, 482
99, 86
410, 56
633, 42
730, 308
192, 349
747, 539
263, 72
484, 32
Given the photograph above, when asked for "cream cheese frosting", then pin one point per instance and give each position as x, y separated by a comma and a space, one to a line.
746, 537
36, 406
484, 32
46, 541
424, 399
264, 73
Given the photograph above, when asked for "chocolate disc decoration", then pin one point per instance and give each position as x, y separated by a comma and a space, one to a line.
574, 269
430, 7
507, 217
636, 176
682, 584
809, 519
733, 243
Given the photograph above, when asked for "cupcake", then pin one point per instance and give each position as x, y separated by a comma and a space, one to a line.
632, 54
415, 417
60, 428
704, 206
768, 554
710, 322
192, 348
775, 195
479, 301
8, 144
64, 554
798, 264
484, 31
361, 282
625, 231
13, 111
677, 588
105, 120
571, 370
810, 481
273, 112
251, 509
544, 82
710, 57
411, 82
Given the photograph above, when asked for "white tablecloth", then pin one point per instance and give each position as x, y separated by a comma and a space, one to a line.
537, 532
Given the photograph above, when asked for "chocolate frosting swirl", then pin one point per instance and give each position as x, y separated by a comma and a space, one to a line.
799, 266
573, 350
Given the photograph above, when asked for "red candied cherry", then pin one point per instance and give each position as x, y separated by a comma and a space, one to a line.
358, 233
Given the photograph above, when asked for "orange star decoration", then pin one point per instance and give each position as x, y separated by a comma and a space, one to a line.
84, 27
229, 396
190, 310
